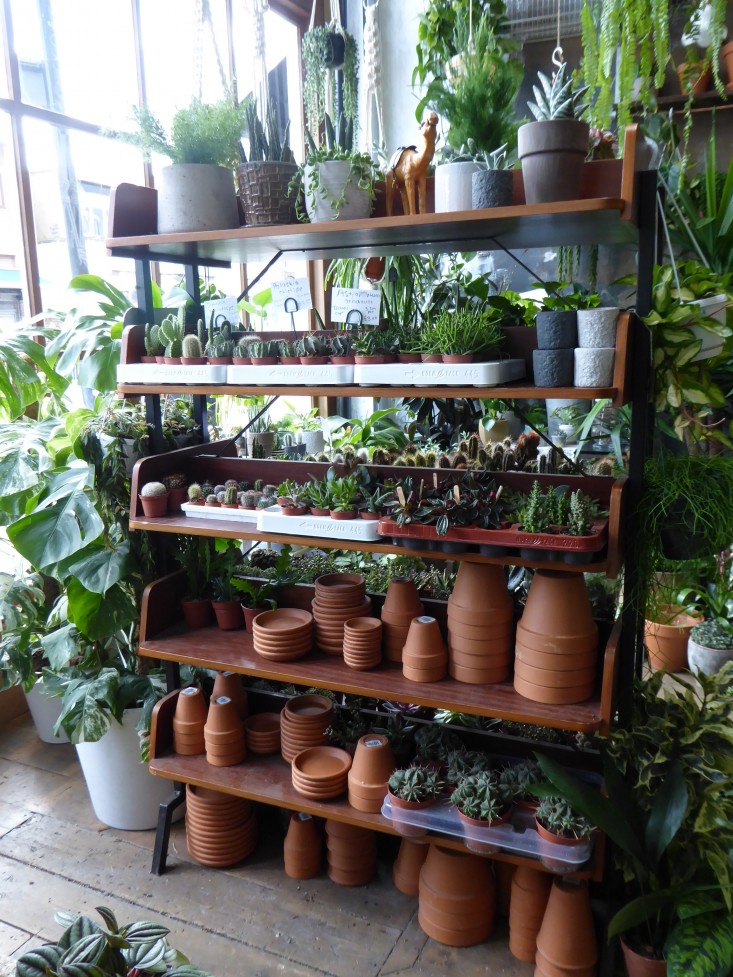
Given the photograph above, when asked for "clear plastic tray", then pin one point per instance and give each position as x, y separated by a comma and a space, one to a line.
518, 836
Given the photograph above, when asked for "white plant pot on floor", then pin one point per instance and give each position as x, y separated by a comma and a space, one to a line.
44, 712
123, 794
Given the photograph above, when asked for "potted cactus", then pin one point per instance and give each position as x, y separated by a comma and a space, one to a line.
412, 789
481, 802
552, 149
292, 498
559, 823
172, 330
314, 350
341, 349
154, 499
264, 353
219, 347
153, 345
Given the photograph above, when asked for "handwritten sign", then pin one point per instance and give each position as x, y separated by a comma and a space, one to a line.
226, 307
363, 300
291, 288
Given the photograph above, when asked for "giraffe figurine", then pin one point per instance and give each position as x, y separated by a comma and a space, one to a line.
408, 170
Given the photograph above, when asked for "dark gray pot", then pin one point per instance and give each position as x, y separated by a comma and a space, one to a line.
492, 188
556, 330
553, 367
552, 155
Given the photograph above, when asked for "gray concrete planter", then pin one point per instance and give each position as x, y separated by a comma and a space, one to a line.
597, 327
492, 188
594, 367
553, 367
552, 155
709, 661
557, 330
196, 197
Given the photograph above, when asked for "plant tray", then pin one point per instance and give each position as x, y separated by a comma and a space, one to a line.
500, 542
296, 375
518, 835
273, 521
219, 512
449, 374
159, 373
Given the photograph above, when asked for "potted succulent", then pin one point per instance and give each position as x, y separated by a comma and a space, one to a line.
461, 335
266, 171
320, 497
413, 789
481, 802
369, 348
314, 350
154, 499
493, 184
288, 352
710, 644
291, 498
224, 599
344, 497
264, 352
518, 779
559, 823
552, 149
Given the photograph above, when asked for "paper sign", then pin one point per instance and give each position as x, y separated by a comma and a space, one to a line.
226, 307
363, 300
291, 288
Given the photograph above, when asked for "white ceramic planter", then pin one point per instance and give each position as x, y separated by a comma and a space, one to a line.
196, 197
336, 178
714, 307
123, 794
44, 712
594, 367
454, 186
597, 328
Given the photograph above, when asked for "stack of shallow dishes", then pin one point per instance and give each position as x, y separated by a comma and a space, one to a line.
224, 734
339, 597
188, 723
351, 853
401, 605
363, 642
303, 723
283, 635
480, 625
221, 830
262, 732
373, 765
320, 773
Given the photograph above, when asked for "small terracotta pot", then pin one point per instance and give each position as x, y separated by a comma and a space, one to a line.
160, 360
154, 506
190, 706
457, 898
458, 357
431, 358
550, 694
338, 514
409, 830
558, 603
473, 842
481, 587
228, 614
373, 761
367, 360
219, 360
529, 895
299, 510
223, 716
264, 360
320, 512
176, 496
313, 360
666, 643
249, 614
408, 358
694, 77
568, 911
478, 676
229, 684
290, 360
424, 650
172, 360
196, 613
342, 360
147, 359
302, 848
406, 869
402, 599
241, 361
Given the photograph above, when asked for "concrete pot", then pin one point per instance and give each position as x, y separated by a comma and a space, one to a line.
709, 661
196, 197
491, 188
597, 327
553, 367
454, 186
552, 155
313, 441
556, 329
594, 367
335, 178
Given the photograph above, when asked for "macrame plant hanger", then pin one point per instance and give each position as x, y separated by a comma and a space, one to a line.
372, 74
258, 9
202, 14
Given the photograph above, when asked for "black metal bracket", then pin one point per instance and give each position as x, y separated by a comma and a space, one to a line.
163, 830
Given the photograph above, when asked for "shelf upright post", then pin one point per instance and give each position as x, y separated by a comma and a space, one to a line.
144, 293
200, 401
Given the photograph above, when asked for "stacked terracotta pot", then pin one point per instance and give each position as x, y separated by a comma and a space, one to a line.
372, 767
303, 724
530, 892
351, 853
262, 733
568, 912
221, 830
557, 640
321, 772
302, 849
284, 635
363, 643
230, 685
339, 597
480, 625
406, 869
457, 897
224, 734
424, 656
401, 605
189, 720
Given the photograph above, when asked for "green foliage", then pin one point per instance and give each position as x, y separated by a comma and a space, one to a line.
255, 595
558, 817
482, 797
264, 138
415, 784
557, 98
318, 63
440, 22
435, 742
466, 330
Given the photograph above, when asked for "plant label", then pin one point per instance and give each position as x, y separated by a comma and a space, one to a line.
226, 307
297, 289
357, 306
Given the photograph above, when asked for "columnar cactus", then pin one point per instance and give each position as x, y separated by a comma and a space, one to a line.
191, 348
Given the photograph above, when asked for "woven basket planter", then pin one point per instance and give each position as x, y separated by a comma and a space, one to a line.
263, 190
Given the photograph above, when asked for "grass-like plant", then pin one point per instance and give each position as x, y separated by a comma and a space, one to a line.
462, 331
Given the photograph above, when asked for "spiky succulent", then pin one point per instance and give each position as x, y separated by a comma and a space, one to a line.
517, 778
230, 495
558, 817
194, 492
152, 490
415, 784
557, 99
191, 347
460, 764
713, 634
482, 797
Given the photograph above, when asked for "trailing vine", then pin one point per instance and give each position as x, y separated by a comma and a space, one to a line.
318, 63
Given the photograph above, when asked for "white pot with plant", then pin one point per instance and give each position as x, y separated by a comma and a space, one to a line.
338, 182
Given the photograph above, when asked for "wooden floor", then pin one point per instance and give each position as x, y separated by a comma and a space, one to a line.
251, 920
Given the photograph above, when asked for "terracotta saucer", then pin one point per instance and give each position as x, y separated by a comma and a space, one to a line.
363, 664
284, 619
364, 625
328, 791
306, 709
335, 582
323, 761
262, 723
238, 808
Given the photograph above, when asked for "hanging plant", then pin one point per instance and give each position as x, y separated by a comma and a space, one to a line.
329, 50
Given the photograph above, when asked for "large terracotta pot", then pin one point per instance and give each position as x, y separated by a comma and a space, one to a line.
302, 848
481, 588
401, 605
566, 942
666, 639
457, 898
504, 875
530, 892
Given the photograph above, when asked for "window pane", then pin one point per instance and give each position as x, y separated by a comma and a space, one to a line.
72, 174
89, 77
13, 294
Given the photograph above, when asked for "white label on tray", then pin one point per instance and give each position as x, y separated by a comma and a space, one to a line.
291, 288
363, 300
368, 743
226, 307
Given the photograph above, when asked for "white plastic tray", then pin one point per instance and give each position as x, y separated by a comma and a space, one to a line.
159, 373
297, 375
518, 836
448, 374
271, 520
219, 512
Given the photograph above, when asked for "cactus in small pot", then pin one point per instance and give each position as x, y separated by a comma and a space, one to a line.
172, 330
481, 797
415, 786
230, 497
153, 345
154, 499
194, 493
212, 499
556, 817
191, 350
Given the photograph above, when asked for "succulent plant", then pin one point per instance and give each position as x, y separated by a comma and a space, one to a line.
212, 499
220, 496
151, 490
341, 344
713, 634
206, 488
194, 492
218, 488
482, 797
172, 330
269, 491
231, 483
558, 817
191, 348
435, 742
518, 777
580, 520
556, 99
264, 349
463, 763
415, 784
230, 495
175, 480
153, 345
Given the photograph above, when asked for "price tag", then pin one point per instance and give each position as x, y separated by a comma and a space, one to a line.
291, 288
226, 307
363, 300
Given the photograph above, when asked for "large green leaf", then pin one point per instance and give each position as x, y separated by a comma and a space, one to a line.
39, 962
701, 946
99, 616
98, 567
61, 646
88, 706
98, 371
25, 454
667, 813
637, 911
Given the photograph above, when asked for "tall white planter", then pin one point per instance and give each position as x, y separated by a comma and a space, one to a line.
335, 179
454, 186
123, 794
196, 197
44, 712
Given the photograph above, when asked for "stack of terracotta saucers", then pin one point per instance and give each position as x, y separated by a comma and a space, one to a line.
351, 853
221, 830
320, 773
303, 723
424, 657
401, 605
262, 732
188, 723
339, 597
363, 642
224, 734
480, 625
283, 635
373, 765
230, 685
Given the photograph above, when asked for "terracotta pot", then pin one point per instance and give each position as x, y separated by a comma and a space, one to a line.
402, 599
300, 510
290, 360
550, 678
243, 361
315, 511
302, 848
478, 676
458, 357
342, 360
230, 684
529, 894
424, 649
196, 613
228, 614
176, 496
638, 965
172, 360
478, 845
406, 869
558, 603
190, 706
223, 716
457, 897
481, 588
154, 506
503, 876
559, 663
431, 358
551, 695
568, 911
249, 614
342, 514
666, 643
694, 78
367, 360
219, 360
408, 358
264, 360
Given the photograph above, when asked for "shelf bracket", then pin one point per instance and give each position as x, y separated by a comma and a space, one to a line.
250, 285
163, 830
